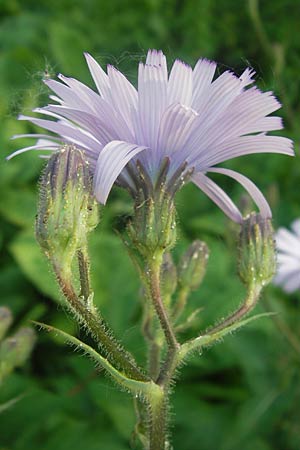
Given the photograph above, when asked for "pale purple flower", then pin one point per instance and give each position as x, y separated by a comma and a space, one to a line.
189, 116
288, 246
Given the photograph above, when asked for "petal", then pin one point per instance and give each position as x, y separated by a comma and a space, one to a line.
292, 283
152, 83
101, 129
217, 195
287, 242
284, 274
110, 164
219, 96
78, 96
244, 145
296, 227
65, 130
180, 85
158, 59
38, 146
246, 76
124, 95
250, 187
87, 95
175, 126
245, 115
33, 135
203, 74
67, 95
99, 76
115, 111
288, 262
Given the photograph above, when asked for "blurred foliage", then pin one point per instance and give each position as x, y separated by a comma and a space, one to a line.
243, 393
15, 350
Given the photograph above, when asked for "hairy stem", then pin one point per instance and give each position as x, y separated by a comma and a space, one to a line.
244, 309
100, 331
152, 338
154, 286
84, 274
163, 375
158, 423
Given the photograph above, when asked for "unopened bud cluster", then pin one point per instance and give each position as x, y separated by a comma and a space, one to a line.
152, 230
257, 258
67, 209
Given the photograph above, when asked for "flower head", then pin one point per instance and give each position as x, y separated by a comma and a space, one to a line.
67, 209
257, 257
188, 118
288, 246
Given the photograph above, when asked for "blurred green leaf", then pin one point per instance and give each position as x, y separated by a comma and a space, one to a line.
21, 215
34, 264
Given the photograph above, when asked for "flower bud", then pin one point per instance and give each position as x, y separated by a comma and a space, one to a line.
67, 209
152, 230
257, 257
192, 266
15, 350
5, 320
168, 276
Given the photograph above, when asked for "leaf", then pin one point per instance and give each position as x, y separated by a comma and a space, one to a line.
145, 389
19, 208
34, 264
207, 339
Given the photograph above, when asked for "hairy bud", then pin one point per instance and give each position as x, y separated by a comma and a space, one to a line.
152, 230
192, 266
257, 258
67, 209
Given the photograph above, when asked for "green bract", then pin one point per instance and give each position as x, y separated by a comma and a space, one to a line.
67, 209
257, 261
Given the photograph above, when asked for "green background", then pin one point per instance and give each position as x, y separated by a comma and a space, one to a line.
243, 393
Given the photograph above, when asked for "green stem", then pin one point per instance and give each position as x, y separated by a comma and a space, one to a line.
83, 265
158, 425
154, 286
151, 336
243, 310
140, 432
168, 368
208, 339
100, 331
159, 405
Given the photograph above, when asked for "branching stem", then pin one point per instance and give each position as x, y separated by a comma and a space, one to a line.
243, 310
99, 329
154, 285
159, 408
